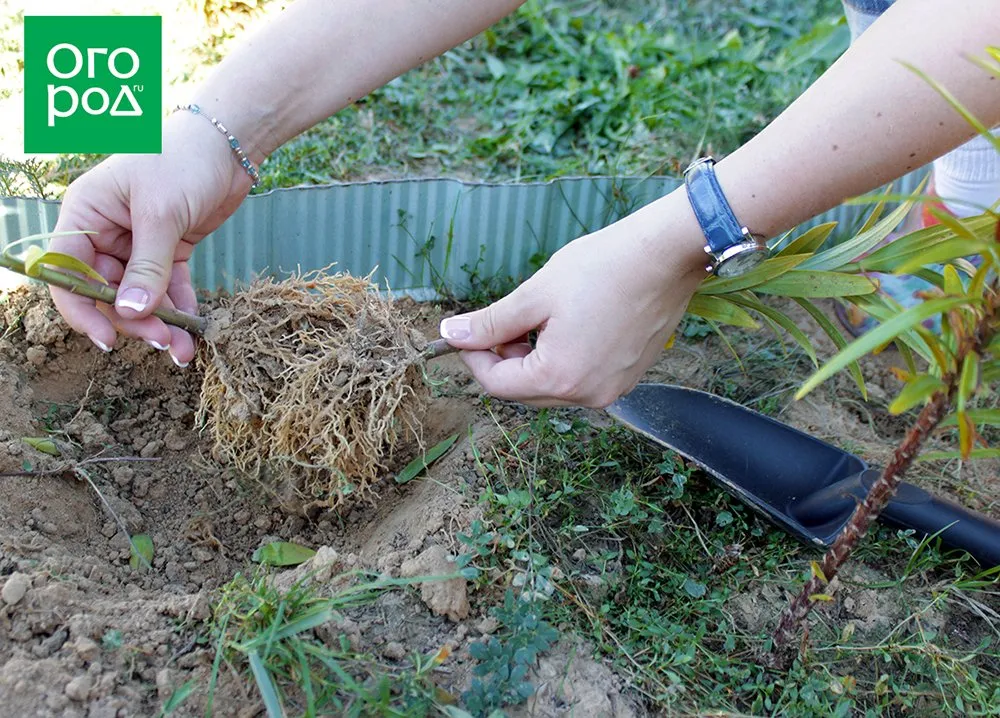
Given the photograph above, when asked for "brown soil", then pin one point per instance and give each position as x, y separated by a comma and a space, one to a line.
90, 636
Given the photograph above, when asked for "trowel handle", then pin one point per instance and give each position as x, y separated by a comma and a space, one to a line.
914, 508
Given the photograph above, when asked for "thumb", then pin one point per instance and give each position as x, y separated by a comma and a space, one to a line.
504, 321
147, 274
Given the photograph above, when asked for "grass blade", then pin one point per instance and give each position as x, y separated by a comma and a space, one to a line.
412, 470
878, 336
268, 691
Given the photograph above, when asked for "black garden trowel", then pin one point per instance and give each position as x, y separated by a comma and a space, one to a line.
802, 484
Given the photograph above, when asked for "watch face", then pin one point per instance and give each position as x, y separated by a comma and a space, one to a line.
741, 263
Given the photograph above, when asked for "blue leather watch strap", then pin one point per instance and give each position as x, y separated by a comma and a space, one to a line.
711, 207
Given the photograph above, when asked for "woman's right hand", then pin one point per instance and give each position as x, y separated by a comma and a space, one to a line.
148, 212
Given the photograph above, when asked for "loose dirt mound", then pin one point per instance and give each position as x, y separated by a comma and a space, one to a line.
82, 632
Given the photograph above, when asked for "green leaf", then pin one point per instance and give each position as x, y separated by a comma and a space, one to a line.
837, 338
952, 282
694, 589
265, 684
892, 255
779, 318
974, 454
719, 309
413, 469
35, 258
809, 241
840, 254
43, 444
977, 416
141, 551
942, 252
177, 698
968, 381
282, 553
918, 389
876, 212
882, 334
813, 283
771, 269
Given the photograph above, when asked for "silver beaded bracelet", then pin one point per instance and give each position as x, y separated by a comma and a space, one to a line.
234, 143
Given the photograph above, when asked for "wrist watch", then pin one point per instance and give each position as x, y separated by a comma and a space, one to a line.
734, 249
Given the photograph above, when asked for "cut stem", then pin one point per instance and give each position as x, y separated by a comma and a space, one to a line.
881, 491
100, 293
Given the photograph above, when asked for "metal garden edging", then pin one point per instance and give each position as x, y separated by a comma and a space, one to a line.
403, 228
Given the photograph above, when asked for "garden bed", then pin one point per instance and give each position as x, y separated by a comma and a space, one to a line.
82, 632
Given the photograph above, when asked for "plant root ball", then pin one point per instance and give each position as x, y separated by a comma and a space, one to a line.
310, 383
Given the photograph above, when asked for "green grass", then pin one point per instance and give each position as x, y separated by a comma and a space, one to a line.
622, 544
572, 87
287, 645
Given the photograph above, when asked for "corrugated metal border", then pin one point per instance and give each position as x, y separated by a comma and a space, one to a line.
415, 233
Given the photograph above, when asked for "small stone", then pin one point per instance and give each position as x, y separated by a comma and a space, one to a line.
175, 441
580, 554
394, 650
86, 648
13, 591
445, 598
36, 355
109, 529
78, 689
151, 449
140, 487
164, 683
200, 553
488, 626
51, 644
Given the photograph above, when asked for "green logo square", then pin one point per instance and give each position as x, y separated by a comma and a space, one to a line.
93, 84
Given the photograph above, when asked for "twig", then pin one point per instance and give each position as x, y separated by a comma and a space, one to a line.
100, 293
882, 490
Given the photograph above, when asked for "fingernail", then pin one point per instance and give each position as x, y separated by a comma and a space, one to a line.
456, 328
99, 344
183, 365
133, 298
157, 345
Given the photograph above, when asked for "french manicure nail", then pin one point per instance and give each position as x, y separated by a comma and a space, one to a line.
182, 365
99, 344
132, 298
157, 345
456, 328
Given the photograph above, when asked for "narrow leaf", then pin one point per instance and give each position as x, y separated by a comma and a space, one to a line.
779, 318
814, 283
837, 338
282, 553
966, 433
917, 390
46, 446
142, 551
890, 256
968, 381
876, 212
771, 269
977, 416
878, 336
840, 254
974, 454
415, 467
265, 684
35, 258
809, 241
722, 310
942, 252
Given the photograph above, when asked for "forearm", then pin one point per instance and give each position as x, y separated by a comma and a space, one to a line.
867, 120
319, 56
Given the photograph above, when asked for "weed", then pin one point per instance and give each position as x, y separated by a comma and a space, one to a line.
288, 641
501, 677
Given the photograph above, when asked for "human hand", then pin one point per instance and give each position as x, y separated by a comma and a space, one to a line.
604, 306
149, 211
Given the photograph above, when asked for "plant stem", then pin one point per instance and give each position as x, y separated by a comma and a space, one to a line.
881, 491
100, 293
